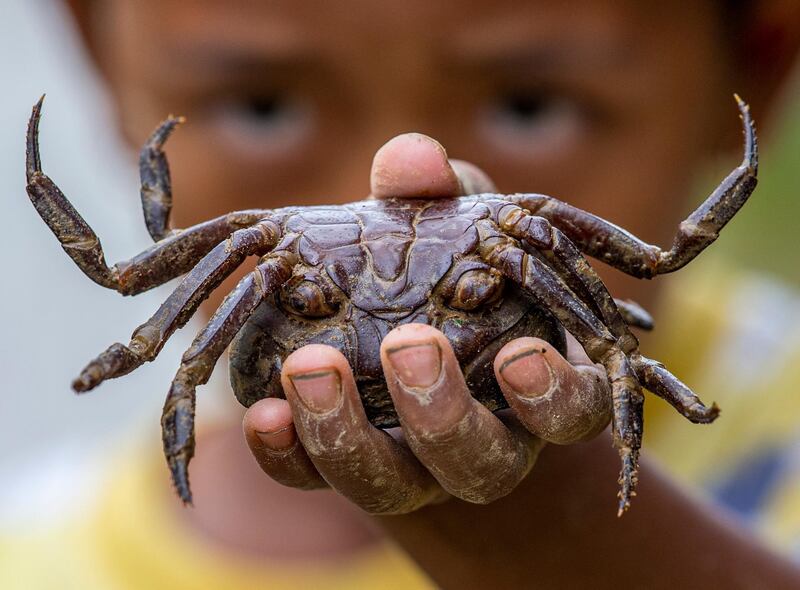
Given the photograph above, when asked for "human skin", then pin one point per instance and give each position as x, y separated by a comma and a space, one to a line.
594, 102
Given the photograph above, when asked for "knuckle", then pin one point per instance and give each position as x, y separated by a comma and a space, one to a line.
336, 436
491, 470
444, 438
481, 499
389, 505
290, 470
378, 489
482, 491
298, 481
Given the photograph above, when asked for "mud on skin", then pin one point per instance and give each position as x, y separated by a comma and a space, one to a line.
484, 269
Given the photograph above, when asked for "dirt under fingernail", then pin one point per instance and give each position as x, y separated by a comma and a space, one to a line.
528, 373
277, 440
416, 365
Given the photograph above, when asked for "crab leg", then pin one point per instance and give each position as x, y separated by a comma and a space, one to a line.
579, 275
177, 421
156, 185
656, 378
634, 314
535, 277
607, 242
163, 261
148, 339
575, 270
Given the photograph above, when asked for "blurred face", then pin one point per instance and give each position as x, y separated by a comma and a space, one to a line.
607, 105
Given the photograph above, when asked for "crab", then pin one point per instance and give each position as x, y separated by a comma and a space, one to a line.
483, 269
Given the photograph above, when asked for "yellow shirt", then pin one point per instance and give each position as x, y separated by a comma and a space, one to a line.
134, 541
733, 339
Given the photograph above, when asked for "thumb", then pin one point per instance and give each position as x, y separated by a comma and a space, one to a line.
415, 165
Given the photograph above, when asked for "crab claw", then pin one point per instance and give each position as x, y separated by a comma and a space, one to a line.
655, 377
159, 137
177, 427
628, 479
33, 161
115, 361
179, 471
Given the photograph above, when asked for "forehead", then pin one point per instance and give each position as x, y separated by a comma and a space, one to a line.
386, 63
387, 255
593, 28
366, 15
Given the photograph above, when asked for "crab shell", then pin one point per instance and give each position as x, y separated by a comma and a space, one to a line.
369, 267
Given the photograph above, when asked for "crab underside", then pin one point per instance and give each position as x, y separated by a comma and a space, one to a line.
484, 269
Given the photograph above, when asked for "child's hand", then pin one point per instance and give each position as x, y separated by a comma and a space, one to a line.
449, 444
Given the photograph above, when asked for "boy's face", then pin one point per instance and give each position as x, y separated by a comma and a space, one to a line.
608, 105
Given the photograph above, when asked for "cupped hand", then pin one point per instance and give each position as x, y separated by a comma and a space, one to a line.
448, 444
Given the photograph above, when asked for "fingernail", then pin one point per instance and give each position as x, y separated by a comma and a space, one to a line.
528, 373
277, 440
319, 391
416, 365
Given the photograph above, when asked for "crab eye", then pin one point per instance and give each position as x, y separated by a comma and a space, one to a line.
306, 298
475, 288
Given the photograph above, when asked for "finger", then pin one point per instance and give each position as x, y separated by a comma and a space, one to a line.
272, 439
472, 454
556, 400
576, 355
415, 165
473, 179
361, 462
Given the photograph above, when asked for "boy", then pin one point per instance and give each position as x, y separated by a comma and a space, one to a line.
607, 105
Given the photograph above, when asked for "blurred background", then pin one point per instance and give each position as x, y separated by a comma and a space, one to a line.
52, 443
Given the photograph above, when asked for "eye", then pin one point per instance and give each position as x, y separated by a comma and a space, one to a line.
258, 122
306, 298
265, 111
521, 109
475, 288
531, 119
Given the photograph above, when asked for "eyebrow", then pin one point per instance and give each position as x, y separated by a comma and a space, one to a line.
238, 61
549, 57
213, 60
